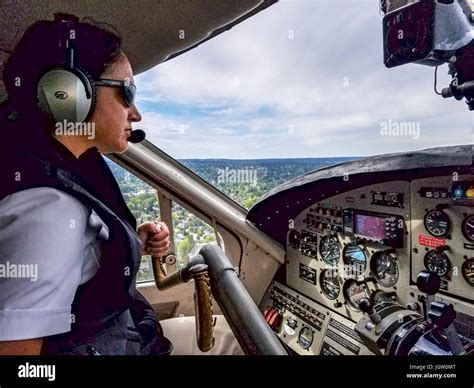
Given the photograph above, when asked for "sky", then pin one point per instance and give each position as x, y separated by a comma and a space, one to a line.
303, 78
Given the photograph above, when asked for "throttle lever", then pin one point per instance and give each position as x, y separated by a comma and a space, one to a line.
203, 307
197, 270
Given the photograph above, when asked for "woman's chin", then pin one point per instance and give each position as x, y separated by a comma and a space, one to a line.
116, 148
122, 147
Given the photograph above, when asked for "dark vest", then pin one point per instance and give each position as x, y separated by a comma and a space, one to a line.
109, 315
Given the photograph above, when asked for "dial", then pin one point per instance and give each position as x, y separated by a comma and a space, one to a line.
305, 337
468, 271
437, 223
329, 249
294, 239
385, 268
468, 227
354, 257
354, 292
437, 262
329, 283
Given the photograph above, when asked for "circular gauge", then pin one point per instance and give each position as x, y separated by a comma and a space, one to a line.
354, 257
353, 293
329, 283
294, 239
385, 268
329, 249
468, 227
467, 270
437, 223
437, 262
305, 337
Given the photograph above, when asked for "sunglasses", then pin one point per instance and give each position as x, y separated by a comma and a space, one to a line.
128, 89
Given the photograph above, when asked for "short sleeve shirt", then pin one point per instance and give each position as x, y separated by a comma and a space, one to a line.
49, 245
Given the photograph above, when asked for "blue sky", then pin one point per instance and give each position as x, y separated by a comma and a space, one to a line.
300, 79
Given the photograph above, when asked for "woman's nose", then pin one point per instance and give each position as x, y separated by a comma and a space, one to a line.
135, 115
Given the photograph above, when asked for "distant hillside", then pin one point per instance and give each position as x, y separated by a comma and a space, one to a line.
243, 180
271, 171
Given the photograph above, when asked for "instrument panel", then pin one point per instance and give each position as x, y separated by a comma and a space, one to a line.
443, 227
352, 245
372, 242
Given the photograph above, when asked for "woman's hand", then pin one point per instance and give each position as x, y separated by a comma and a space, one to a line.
155, 238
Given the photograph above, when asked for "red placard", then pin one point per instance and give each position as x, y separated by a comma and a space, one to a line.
430, 241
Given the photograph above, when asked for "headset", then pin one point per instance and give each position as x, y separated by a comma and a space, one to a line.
67, 92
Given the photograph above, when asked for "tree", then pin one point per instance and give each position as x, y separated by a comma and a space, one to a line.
184, 247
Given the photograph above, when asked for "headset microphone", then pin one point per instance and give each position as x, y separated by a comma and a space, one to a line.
137, 136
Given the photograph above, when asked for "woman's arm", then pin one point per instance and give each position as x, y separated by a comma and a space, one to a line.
42, 254
30, 347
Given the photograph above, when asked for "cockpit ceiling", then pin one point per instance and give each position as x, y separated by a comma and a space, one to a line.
150, 29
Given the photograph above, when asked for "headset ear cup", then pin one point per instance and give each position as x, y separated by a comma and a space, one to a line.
67, 94
90, 88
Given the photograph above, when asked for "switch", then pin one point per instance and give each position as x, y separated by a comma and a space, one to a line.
275, 321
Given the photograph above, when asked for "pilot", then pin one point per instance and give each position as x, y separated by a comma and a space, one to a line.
70, 248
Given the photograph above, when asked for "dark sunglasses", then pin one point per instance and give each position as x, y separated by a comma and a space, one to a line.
128, 89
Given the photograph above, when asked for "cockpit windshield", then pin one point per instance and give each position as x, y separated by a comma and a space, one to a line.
299, 86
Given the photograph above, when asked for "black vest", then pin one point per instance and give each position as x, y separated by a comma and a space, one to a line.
109, 315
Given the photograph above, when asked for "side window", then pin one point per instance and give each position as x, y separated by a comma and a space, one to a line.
189, 231
143, 202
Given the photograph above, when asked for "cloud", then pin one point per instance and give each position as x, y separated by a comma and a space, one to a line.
300, 79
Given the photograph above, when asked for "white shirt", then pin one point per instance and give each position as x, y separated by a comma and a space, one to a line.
49, 245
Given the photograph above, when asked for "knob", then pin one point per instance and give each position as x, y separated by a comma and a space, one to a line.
337, 304
273, 317
428, 282
267, 311
275, 321
442, 314
366, 306
442, 248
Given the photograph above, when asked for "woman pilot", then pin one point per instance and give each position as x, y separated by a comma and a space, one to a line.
62, 216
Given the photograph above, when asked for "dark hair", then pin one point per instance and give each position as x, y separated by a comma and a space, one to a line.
38, 50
